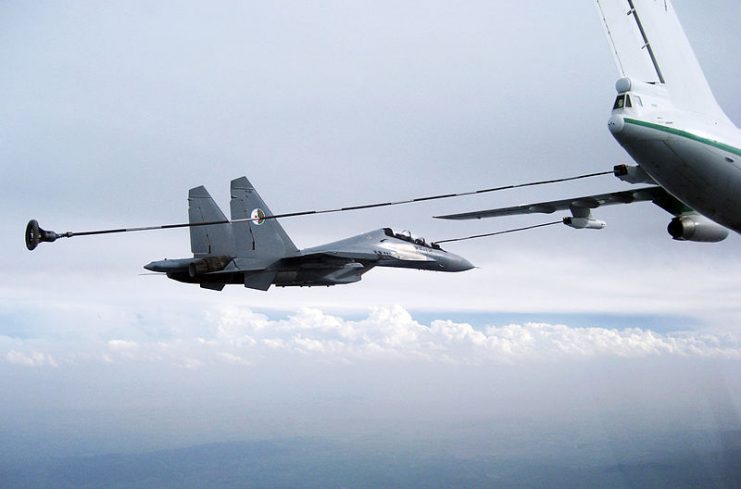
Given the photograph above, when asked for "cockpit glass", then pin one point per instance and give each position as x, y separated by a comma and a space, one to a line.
619, 102
410, 238
627, 101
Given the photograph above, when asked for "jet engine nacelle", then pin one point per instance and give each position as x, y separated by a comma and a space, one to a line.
696, 228
208, 264
584, 223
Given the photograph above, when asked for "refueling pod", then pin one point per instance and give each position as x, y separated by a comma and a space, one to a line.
632, 174
584, 222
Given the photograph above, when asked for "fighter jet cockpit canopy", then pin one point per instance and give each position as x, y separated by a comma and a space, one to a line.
406, 235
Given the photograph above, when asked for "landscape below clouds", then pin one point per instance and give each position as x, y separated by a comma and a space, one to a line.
378, 399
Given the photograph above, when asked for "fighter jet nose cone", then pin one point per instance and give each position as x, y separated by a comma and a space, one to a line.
150, 266
616, 124
459, 264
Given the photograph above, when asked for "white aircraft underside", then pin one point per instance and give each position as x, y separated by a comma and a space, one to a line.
700, 171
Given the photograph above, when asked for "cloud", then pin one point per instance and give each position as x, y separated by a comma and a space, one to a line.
30, 359
234, 359
122, 345
240, 336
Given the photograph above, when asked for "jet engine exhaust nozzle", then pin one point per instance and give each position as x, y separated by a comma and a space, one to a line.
36, 235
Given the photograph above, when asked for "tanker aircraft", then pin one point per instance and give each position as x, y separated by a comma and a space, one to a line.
666, 117
253, 250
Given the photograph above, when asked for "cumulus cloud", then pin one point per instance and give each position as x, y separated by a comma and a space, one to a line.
30, 359
393, 331
234, 359
240, 336
122, 345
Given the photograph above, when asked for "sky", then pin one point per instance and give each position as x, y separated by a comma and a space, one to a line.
112, 111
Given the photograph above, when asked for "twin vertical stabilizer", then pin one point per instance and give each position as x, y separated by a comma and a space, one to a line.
214, 239
256, 236
252, 236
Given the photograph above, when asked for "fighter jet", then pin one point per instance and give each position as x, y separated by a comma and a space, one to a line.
253, 250
667, 119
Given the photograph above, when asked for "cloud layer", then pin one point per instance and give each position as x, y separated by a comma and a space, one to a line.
239, 336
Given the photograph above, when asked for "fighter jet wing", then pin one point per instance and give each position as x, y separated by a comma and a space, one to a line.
329, 257
581, 205
347, 255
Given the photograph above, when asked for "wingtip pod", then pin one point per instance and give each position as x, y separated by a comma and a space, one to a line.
36, 235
